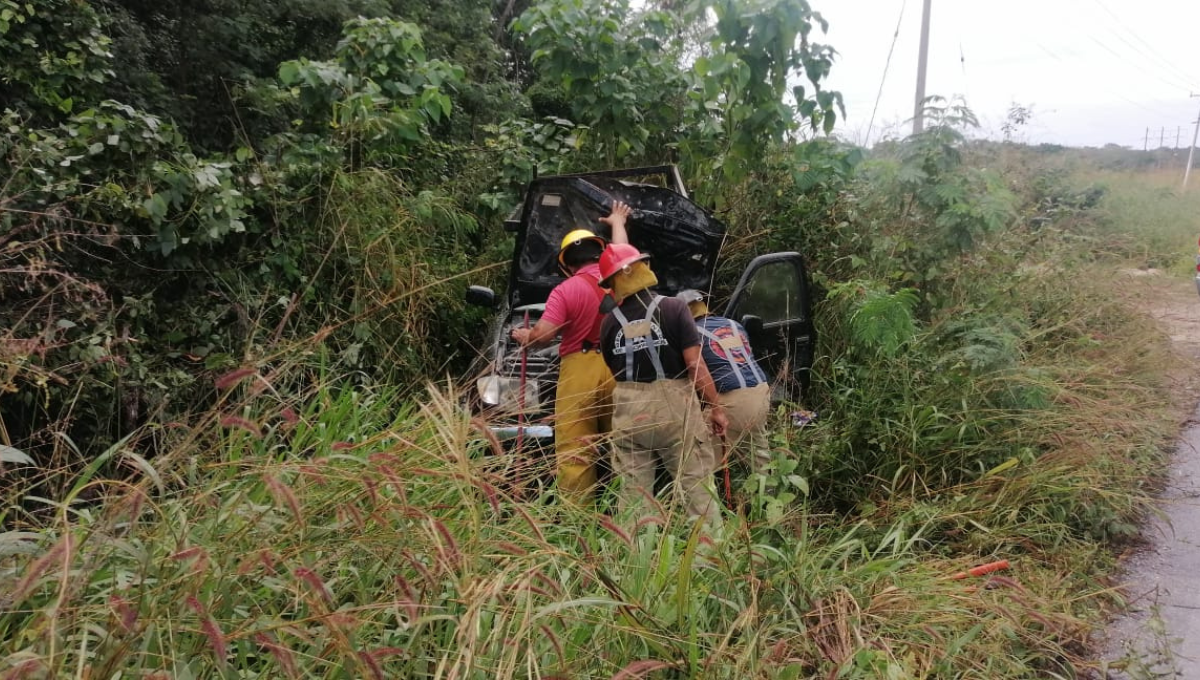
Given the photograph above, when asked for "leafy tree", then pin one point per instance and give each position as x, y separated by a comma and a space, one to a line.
663, 84
193, 62
740, 92
936, 207
379, 88
54, 54
619, 75
187, 61
133, 265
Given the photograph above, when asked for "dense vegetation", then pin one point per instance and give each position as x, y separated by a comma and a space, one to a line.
234, 239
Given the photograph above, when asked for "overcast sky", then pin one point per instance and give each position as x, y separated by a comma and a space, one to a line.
1093, 71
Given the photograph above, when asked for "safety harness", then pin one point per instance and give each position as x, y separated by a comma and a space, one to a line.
642, 335
729, 344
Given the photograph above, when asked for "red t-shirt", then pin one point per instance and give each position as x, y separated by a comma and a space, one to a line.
574, 305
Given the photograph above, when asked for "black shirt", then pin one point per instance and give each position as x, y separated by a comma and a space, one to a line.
672, 322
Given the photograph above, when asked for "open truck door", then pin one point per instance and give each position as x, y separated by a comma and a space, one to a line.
772, 300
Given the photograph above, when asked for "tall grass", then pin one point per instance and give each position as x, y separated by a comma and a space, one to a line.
1148, 218
350, 543
365, 537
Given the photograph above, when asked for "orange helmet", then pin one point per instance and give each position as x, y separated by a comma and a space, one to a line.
616, 257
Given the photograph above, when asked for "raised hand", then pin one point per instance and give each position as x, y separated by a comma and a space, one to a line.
616, 222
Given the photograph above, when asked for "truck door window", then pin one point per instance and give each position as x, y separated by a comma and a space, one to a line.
773, 294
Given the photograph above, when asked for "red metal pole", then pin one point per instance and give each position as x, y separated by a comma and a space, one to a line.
981, 570
521, 394
728, 482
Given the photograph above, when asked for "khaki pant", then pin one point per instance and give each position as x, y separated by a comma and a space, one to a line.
582, 416
663, 420
748, 409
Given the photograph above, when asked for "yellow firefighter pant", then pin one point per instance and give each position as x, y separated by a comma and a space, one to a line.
747, 409
663, 420
582, 417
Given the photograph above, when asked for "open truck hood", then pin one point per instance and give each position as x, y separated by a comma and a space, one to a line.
682, 238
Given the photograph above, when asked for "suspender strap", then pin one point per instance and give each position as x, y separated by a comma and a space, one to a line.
650, 339
733, 364
754, 367
593, 338
653, 344
728, 356
628, 347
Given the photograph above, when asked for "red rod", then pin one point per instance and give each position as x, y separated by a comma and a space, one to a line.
728, 483
982, 569
521, 394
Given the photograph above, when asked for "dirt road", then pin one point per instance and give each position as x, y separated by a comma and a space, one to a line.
1160, 637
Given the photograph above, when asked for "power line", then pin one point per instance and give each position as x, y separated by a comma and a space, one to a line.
1154, 54
1156, 71
1182, 82
957, 19
886, 65
1048, 51
1192, 149
962, 60
1140, 105
1124, 59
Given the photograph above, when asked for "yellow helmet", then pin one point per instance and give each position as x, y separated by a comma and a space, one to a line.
575, 238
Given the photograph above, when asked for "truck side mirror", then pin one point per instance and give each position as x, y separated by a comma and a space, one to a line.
481, 296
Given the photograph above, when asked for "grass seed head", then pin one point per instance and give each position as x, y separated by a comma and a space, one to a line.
641, 669
283, 656
612, 527
232, 378
126, 615
215, 638
283, 494
372, 664
60, 550
314, 582
242, 424
447, 548
407, 598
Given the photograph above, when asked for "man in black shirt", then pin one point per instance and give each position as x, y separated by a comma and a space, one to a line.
653, 349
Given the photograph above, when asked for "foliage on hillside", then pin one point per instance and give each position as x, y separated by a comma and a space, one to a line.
135, 265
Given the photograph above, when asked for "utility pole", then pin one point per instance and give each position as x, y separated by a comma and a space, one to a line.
1191, 150
1146, 142
1162, 137
1178, 130
922, 64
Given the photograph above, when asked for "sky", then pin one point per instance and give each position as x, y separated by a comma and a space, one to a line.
1093, 72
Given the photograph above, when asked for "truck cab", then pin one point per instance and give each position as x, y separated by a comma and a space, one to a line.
514, 389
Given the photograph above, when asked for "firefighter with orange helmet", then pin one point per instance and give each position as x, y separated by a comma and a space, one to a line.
652, 347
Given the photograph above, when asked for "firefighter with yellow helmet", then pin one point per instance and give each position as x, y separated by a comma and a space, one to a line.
583, 400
